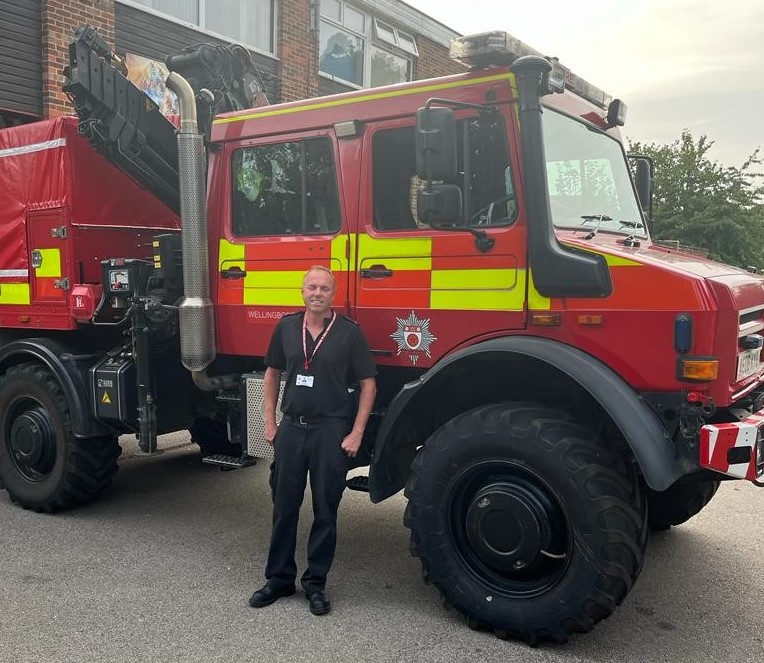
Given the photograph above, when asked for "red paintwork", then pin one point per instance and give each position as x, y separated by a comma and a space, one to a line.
51, 178
636, 335
108, 215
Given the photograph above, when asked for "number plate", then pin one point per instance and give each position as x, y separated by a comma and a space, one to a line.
748, 363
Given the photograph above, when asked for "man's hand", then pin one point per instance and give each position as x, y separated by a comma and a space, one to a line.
270, 431
352, 443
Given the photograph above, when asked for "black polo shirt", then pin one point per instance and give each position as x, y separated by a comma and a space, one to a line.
342, 360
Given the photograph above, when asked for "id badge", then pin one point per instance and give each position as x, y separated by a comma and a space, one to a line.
304, 380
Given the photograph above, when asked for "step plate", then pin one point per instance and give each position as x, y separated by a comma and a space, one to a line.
232, 462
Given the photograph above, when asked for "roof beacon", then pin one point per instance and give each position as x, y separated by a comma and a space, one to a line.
498, 48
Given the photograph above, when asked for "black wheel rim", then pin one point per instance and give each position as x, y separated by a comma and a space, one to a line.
30, 439
509, 529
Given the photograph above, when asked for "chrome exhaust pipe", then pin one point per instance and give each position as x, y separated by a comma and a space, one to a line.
196, 314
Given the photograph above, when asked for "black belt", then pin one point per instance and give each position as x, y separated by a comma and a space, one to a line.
318, 420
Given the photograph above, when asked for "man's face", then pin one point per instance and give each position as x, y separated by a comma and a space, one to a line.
318, 292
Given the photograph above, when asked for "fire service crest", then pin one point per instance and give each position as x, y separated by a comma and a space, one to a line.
413, 337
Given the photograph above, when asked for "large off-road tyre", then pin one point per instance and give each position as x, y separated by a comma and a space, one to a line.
212, 437
525, 522
42, 465
679, 503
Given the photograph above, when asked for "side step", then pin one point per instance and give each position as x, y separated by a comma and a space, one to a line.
360, 483
229, 462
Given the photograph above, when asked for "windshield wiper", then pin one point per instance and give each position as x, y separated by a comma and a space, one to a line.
634, 225
599, 218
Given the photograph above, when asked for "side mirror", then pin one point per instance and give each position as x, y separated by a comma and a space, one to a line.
435, 144
644, 172
439, 203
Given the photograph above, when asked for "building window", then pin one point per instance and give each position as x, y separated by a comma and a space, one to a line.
247, 21
361, 50
285, 189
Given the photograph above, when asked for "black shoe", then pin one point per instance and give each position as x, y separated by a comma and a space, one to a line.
267, 595
319, 604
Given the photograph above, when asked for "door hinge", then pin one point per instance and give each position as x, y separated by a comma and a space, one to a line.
58, 233
61, 284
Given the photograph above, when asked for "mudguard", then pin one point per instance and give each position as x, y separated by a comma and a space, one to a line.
71, 373
637, 422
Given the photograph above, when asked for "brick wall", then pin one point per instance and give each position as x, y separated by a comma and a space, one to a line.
59, 18
297, 52
434, 61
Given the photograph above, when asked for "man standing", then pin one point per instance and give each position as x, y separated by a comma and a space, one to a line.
322, 354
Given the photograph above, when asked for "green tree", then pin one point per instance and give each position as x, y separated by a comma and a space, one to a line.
701, 203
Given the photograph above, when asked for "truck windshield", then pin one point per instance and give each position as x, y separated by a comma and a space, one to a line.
589, 183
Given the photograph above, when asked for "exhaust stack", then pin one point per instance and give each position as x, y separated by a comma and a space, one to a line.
196, 314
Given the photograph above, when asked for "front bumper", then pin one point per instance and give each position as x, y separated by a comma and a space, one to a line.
735, 449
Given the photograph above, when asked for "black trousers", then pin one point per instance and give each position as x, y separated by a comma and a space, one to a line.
299, 451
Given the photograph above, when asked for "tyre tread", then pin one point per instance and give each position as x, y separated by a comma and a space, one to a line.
623, 548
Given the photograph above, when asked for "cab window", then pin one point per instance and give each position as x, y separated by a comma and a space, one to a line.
285, 189
484, 177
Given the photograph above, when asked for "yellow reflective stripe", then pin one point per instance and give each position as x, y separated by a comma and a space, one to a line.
366, 97
413, 253
612, 261
230, 255
536, 300
51, 263
478, 290
477, 300
273, 288
473, 279
617, 261
341, 254
14, 293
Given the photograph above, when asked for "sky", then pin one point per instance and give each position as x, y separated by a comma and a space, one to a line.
678, 64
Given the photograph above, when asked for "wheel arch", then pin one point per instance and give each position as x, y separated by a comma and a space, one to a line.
488, 372
68, 371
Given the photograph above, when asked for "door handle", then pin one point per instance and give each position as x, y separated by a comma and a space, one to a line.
233, 273
376, 272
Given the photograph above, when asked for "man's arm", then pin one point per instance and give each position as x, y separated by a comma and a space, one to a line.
271, 385
352, 441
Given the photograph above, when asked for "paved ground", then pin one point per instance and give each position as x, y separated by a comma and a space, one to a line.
160, 569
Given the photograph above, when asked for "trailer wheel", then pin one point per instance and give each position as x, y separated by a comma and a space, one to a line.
42, 465
212, 437
525, 522
679, 503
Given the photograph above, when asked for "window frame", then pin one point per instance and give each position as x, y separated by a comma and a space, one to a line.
510, 176
200, 25
394, 45
301, 141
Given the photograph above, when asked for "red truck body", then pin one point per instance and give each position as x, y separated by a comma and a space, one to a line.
66, 206
552, 383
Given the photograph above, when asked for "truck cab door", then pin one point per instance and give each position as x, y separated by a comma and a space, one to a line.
284, 217
420, 292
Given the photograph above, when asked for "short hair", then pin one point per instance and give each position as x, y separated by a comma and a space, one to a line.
320, 268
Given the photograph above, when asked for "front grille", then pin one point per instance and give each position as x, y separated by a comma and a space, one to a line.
754, 315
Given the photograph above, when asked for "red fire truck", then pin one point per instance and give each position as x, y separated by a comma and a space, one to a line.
552, 384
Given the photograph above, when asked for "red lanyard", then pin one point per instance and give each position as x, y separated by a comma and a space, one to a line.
320, 340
